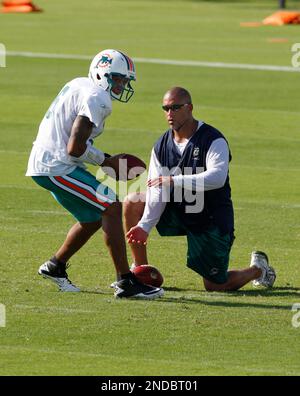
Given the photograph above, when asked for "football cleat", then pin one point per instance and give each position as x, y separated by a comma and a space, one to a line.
131, 287
260, 260
114, 284
58, 275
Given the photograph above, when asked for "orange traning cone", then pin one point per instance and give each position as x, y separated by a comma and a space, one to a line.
19, 6
283, 18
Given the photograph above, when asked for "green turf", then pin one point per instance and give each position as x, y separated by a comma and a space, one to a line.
189, 331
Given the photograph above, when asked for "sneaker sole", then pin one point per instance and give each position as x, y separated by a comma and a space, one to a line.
142, 296
262, 286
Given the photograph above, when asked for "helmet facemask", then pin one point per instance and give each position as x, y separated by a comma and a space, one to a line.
123, 85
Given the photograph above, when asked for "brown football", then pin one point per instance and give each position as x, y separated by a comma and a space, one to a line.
130, 167
148, 275
124, 167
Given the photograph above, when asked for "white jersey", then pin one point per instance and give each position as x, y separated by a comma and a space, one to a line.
49, 155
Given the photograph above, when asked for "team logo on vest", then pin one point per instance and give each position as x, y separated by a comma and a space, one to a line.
213, 271
196, 152
105, 61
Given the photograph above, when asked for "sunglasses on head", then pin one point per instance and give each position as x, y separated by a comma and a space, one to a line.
174, 107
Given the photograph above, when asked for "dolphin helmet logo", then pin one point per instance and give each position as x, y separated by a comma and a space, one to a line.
105, 61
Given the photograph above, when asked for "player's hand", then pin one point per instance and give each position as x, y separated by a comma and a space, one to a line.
137, 235
160, 181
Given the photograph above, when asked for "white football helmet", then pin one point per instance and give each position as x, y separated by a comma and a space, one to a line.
110, 63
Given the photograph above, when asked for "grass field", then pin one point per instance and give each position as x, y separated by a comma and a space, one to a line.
188, 331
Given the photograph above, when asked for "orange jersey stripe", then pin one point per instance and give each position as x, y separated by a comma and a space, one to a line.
81, 191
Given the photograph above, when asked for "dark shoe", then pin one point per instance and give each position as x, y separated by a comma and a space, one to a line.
130, 287
58, 275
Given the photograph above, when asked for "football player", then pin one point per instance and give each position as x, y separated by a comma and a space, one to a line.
57, 163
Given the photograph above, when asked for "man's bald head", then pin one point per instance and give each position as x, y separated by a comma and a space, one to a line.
178, 94
178, 108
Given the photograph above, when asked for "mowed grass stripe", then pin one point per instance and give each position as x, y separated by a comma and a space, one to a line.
206, 364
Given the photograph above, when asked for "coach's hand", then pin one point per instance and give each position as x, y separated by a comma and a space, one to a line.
160, 181
137, 235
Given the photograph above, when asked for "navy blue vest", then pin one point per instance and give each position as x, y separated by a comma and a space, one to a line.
218, 209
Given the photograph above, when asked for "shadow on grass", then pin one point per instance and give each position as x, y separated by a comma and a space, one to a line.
101, 292
275, 292
224, 304
205, 298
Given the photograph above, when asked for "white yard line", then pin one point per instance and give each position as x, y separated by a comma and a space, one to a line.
18, 187
158, 61
39, 309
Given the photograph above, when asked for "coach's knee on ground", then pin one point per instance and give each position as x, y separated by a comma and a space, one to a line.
213, 287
